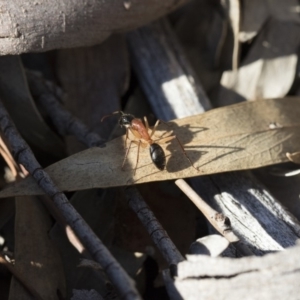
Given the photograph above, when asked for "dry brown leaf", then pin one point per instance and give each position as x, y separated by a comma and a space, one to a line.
236, 137
17, 99
269, 69
36, 255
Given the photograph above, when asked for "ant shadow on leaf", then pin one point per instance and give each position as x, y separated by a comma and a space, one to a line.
185, 136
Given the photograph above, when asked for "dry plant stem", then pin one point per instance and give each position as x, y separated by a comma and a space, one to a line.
5, 153
154, 228
20, 277
64, 122
157, 60
23, 155
217, 220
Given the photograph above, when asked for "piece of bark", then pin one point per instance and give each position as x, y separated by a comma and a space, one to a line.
44, 25
153, 49
274, 276
166, 77
255, 215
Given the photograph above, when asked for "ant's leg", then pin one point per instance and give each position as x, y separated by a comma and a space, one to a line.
126, 154
146, 123
165, 139
170, 138
165, 135
138, 143
126, 138
154, 128
137, 156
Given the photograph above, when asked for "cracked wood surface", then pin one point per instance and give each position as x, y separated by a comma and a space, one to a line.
42, 25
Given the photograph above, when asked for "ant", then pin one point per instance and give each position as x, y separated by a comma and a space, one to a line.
143, 134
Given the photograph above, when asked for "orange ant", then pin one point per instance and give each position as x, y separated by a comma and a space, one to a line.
144, 139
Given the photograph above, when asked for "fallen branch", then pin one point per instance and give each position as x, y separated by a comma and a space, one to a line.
23, 155
154, 228
64, 122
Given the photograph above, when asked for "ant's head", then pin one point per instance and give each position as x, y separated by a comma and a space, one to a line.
125, 120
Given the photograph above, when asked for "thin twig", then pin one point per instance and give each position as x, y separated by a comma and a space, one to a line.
64, 122
154, 228
220, 222
13, 166
20, 277
23, 155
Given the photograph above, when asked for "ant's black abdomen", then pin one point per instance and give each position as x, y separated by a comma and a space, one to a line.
158, 156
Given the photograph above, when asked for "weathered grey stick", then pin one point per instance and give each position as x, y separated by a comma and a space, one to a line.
154, 228
23, 155
64, 122
166, 78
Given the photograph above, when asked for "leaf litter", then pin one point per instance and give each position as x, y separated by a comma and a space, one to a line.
236, 138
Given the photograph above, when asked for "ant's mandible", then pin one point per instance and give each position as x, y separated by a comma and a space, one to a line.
144, 135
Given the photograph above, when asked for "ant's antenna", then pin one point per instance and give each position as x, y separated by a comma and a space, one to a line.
114, 113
